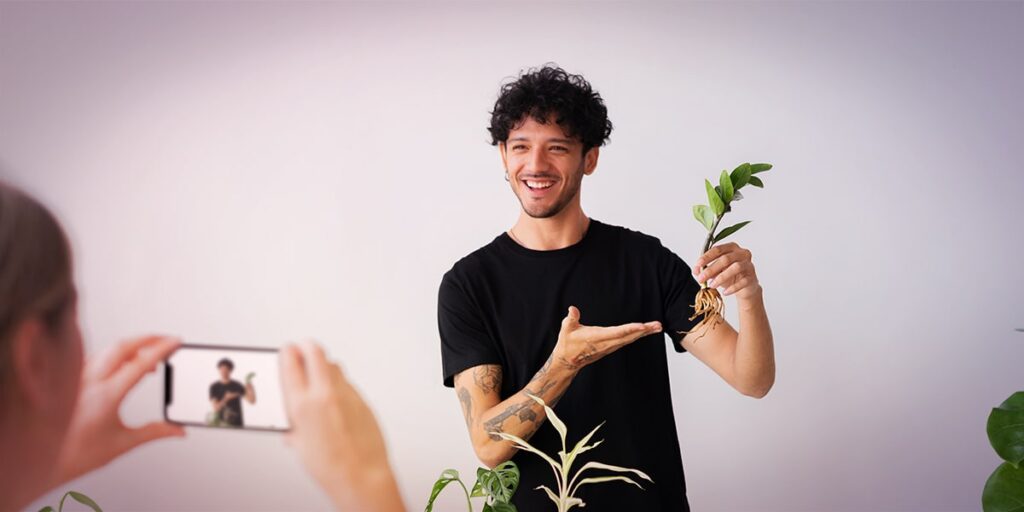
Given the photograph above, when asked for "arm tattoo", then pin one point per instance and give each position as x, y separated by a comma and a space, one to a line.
522, 410
487, 377
467, 405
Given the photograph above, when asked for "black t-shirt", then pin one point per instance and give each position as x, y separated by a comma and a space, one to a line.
504, 303
231, 413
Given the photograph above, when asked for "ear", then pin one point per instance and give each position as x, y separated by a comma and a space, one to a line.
502, 150
32, 362
590, 160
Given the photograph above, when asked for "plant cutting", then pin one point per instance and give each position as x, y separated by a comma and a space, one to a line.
708, 303
496, 486
566, 482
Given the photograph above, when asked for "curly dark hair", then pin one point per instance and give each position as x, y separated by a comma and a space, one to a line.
226, 362
548, 90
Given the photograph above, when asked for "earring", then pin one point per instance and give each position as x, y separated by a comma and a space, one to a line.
506, 175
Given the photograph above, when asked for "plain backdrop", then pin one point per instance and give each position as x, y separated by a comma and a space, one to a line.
253, 173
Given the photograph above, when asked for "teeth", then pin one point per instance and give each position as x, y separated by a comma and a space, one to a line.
538, 184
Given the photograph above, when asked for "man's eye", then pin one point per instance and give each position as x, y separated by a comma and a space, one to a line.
518, 147
560, 149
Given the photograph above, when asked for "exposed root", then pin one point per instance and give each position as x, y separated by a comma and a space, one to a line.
708, 304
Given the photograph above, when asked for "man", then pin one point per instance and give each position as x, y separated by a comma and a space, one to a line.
225, 393
521, 315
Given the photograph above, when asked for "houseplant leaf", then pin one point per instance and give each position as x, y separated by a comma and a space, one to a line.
756, 168
447, 476
1004, 490
725, 182
703, 214
730, 230
740, 176
755, 181
602, 479
717, 205
83, 499
1005, 429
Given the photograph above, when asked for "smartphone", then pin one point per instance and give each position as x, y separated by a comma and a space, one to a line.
224, 387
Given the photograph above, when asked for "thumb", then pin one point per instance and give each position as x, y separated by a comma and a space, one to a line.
572, 319
154, 431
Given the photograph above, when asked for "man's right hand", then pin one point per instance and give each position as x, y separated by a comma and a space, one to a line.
579, 345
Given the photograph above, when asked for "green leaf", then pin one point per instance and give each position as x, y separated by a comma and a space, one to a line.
730, 230
702, 213
755, 181
499, 483
447, 476
1004, 490
1006, 429
756, 168
717, 205
47, 509
726, 183
740, 176
503, 507
84, 500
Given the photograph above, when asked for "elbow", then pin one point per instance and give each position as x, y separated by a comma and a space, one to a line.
759, 390
491, 453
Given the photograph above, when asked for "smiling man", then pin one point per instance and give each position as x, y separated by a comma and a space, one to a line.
576, 311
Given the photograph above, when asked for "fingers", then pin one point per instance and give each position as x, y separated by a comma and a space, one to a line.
293, 372
110, 360
740, 284
145, 360
152, 432
730, 250
317, 367
723, 262
728, 276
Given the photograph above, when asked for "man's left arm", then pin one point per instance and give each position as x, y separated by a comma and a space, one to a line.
744, 359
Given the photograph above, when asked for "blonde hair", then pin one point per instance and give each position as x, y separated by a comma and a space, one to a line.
35, 267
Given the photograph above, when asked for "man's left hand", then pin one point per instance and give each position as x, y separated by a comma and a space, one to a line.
730, 269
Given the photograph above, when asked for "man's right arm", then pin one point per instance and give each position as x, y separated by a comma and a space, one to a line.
479, 387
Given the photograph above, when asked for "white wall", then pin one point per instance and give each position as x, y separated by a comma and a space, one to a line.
255, 173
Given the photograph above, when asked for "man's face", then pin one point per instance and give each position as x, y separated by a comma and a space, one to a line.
545, 166
225, 371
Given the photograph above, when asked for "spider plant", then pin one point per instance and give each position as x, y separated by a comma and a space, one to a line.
567, 482
708, 303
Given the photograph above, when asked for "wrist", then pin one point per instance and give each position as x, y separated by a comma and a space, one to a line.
363, 488
753, 300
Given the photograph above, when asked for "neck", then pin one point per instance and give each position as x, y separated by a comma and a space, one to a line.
557, 232
24, 472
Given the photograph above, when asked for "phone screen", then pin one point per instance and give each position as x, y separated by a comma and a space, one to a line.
224, 387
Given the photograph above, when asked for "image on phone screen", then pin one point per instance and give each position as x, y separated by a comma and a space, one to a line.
224, 387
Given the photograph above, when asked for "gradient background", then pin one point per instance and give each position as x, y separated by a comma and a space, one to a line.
255, 173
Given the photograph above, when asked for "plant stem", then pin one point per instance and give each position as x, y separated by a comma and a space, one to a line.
707, 242
469, 504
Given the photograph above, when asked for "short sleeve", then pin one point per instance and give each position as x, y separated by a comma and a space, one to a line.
678, 289
465, 342
213, 391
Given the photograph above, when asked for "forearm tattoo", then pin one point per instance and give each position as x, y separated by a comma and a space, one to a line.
526, 410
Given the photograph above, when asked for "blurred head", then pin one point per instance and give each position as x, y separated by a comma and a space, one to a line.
225, 366
40, 344
548, 125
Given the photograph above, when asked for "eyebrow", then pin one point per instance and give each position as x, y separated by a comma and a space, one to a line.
557, 139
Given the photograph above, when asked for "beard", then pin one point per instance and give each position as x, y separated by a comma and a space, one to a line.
538, 211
